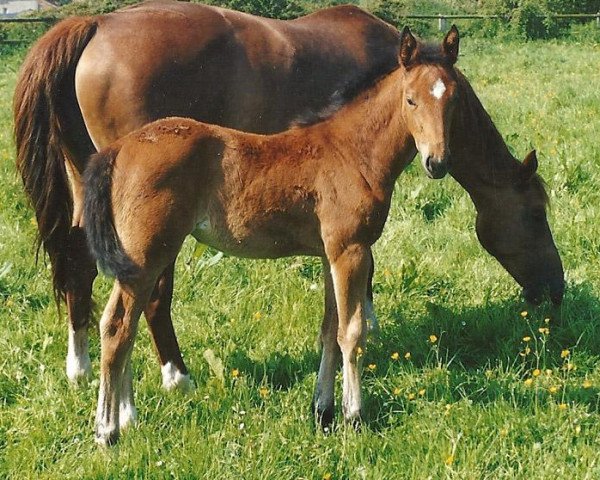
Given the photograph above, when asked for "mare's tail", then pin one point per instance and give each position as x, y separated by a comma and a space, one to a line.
99, 224
45, 89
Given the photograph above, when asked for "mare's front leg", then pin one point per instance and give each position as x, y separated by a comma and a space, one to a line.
118, 328
323, 400
350, 272
158, 314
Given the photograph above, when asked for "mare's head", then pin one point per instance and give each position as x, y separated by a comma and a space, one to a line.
512, 226
430, 90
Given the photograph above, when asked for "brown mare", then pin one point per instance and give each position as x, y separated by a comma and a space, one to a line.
91, 80
321, 190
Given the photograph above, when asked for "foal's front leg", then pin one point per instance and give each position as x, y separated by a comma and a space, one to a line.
323, 400
118, 328
350, 271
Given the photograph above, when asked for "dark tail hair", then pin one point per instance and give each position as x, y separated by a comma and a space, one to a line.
45, 80
99, 225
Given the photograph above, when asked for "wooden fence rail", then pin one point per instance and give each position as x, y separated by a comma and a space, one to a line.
442, 20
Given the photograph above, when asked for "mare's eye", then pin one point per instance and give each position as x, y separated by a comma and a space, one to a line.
410, 101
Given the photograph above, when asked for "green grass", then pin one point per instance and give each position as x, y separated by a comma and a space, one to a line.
460, 408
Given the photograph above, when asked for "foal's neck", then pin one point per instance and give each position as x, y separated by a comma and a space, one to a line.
372, 130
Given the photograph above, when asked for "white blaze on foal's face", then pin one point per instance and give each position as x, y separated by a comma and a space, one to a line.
438, 89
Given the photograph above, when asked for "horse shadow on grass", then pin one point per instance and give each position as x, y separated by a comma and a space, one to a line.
471, 342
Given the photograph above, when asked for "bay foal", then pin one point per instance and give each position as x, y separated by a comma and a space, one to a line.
322, 190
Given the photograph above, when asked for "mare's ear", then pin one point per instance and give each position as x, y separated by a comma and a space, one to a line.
450, 44
408, 47
529, 166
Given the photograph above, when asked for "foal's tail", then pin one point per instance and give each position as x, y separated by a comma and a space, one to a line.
45, 89
99, 224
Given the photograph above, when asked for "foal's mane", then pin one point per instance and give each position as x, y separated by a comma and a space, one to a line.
486, 140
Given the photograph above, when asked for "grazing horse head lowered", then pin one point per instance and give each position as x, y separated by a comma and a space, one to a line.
322, 190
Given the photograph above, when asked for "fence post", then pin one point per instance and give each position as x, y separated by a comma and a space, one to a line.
598, 19
441, 23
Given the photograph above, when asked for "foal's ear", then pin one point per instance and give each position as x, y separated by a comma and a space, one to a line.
408, 47
450, 44
529, 166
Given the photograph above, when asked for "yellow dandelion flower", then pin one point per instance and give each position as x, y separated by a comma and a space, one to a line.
411, 396
372, 367
586, 384
257, 315
537, 372
525, 352
397, 391
387, 273
565, 353
359, 352
527, 339
503, 432
235, 373
544, 330
546, 321
327, 476
264, 392
422, 392
569, 366
524, 313
553, 389
449, 460
433, 338
562, 406
528, 382
395, 356
407, 355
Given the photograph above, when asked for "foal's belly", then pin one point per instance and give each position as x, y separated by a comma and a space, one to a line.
259, 238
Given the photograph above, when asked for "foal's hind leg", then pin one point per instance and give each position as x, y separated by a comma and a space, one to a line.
158, 314
118, 328
324, 400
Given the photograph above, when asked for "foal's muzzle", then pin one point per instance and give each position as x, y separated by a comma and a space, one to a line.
435, 167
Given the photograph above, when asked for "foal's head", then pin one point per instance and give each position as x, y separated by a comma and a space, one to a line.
430, 90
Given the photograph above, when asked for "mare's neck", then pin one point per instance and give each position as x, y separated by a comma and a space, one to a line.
372, 130
481, 161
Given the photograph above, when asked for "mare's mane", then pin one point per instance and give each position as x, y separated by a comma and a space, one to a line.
487, 140
425, 54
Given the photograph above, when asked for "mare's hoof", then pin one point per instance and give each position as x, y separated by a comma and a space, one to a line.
323, 417
106, 437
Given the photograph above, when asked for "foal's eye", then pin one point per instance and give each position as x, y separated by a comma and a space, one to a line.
411, 102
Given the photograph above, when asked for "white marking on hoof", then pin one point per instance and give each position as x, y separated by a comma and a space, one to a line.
79, 365
438, 89
127, 415
174, 379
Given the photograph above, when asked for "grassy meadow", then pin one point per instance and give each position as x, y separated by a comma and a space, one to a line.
465, 380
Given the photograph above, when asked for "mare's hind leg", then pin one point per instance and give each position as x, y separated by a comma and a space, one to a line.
324, 400
372, 320
158, 314
76, 270
118, 328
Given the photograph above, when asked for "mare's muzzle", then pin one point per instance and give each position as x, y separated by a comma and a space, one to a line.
435, 167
